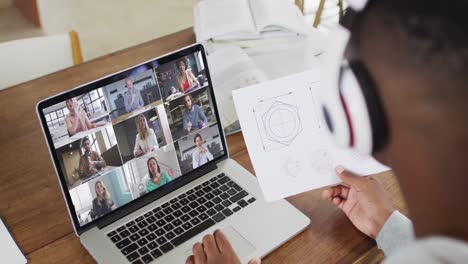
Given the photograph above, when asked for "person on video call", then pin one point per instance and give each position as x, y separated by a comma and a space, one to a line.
103, 203
173, 93
146, 140
132, 99
90, 162
193, 117
157, 178
185, 78
77, 120
200, 155
417, 54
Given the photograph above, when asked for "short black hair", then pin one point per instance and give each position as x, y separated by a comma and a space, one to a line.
83, 140
195, 138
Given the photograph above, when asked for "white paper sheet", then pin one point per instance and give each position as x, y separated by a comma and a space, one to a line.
289, 147
9, 251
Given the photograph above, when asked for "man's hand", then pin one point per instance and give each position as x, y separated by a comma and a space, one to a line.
363, 201
189, 126
215, 249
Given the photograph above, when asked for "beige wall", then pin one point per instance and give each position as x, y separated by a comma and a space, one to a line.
5, 3
71, 162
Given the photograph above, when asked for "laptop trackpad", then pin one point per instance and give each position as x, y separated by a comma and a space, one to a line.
240, 244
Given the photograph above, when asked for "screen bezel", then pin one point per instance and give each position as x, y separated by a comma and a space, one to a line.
152, 196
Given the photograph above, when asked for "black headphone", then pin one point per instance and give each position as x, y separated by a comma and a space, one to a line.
350, 104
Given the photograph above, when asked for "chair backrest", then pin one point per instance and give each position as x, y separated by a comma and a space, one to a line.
26, 59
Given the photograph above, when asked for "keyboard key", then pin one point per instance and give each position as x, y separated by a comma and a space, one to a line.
213, 179
166, 247
195, 221
193, 204
182, 196
129, 224
185, 218
170, 235
174, 200
142, 242
231, 183
134, 237
123, 243
161, 222
191, 197
224, 188
242, 203
178, 213
143, 232
147, 258
120, 229
178, 230
116, 238
133, 256
211, 212
224, 196
169, 218
143, 250
251, 200
151, 237
190, 192
124, 234
151, 219
157, 209
168, 210
148, 214
237, 208
201, 209
199, 193
129, 249
193, 213
219, 207
238, 196
209, 196
152, 227
223, 180
176, 222
237, 187
142, 224
227, 212
206, 183
161, 240
134, 229
201, 200
184, 201
218, 217
140, 218
185, 209
187, 226
226, 203
168, 227
138, 261
152, 245
111, 234
156, 253
176, 206
231, 192
159, 215
193, 232
215, 185
216, 192
217, 200
207, 189
221, 175
165, 205
160, 232
203, 216
209, 204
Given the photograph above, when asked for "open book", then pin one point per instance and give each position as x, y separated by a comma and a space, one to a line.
246, 19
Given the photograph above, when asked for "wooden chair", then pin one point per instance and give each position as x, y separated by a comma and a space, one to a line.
318, 14
27, 59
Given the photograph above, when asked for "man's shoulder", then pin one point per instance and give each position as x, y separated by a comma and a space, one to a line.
431, 250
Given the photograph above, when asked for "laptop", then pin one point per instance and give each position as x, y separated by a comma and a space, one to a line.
143, 165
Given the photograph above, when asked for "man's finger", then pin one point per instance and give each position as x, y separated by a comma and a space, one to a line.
222, 242
209, 244
349, 178
339, 190
199, 253
190, 260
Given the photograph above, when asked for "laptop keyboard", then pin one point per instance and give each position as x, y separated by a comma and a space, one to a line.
160, 230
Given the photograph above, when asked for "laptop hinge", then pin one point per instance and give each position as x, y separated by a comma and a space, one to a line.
151, 197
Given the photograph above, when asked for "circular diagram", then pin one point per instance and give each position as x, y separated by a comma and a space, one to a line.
282, 123
321, 161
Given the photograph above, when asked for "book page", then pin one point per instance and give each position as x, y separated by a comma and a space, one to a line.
216, 18
289, 146
270, 15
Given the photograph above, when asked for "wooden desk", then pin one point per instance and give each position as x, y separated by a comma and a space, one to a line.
33, 208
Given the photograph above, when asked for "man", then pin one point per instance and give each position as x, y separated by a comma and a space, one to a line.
200, 155
417, 54
132, 99
193, 117
90, 162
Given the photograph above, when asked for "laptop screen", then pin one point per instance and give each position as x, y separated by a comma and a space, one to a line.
133, 133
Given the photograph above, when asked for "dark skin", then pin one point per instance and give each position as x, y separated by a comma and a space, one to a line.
426, 149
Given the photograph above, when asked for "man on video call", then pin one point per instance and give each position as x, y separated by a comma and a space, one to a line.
417, 54
90, 162
132, 99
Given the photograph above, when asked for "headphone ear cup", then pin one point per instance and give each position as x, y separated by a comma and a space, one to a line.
372, 111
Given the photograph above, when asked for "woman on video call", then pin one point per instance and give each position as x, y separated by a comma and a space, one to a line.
77, 120
103, 203
157, 178
185, 78
193, 117
146, 140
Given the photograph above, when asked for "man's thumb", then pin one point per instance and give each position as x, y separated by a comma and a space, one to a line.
348, 177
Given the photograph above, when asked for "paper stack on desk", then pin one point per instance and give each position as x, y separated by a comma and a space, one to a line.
9, 251
288, 145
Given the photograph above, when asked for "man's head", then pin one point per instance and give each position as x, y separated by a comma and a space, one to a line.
129, 85
417, 54
86, 144
198, 140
